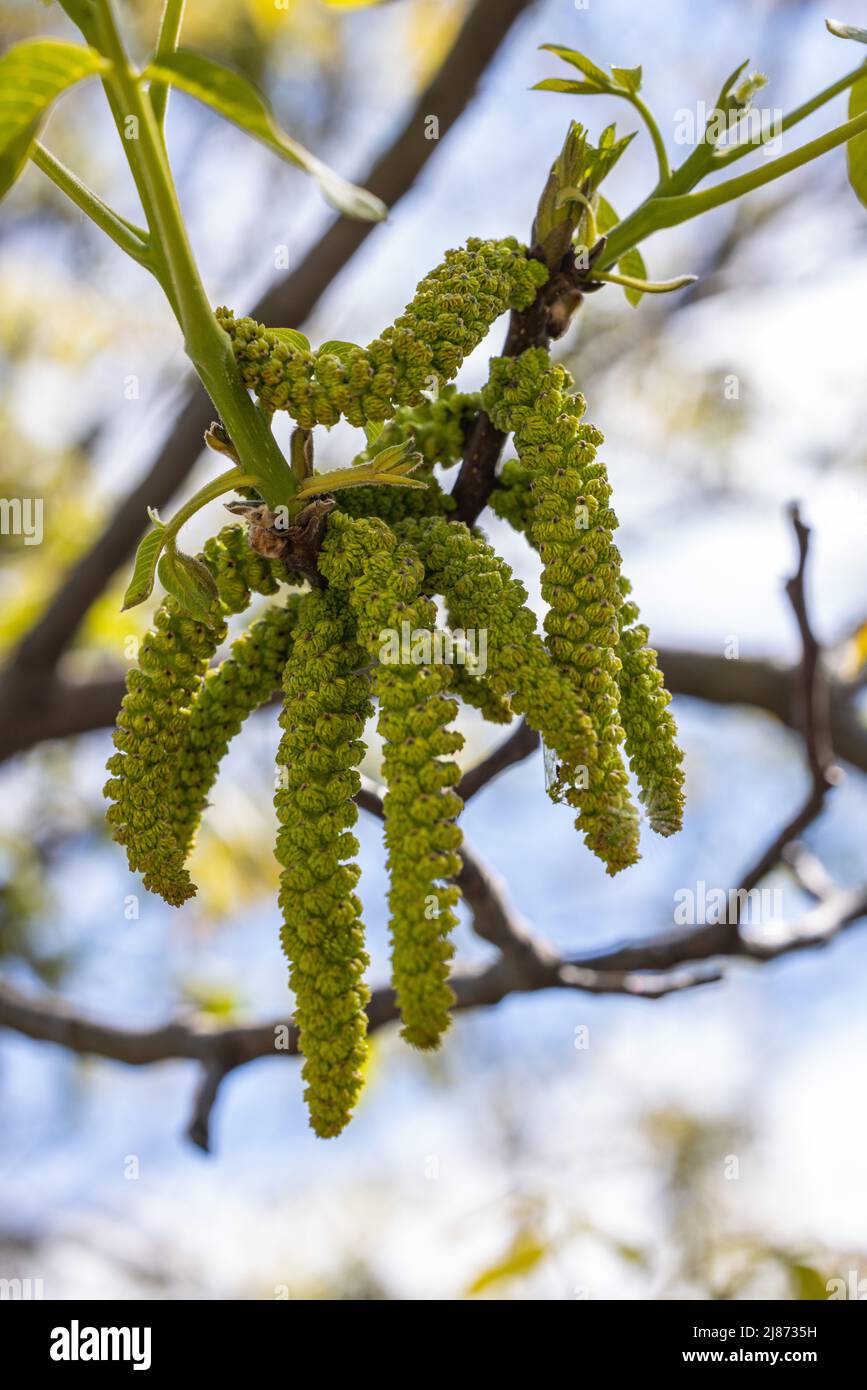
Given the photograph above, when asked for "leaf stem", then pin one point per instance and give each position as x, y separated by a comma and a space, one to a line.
723, 158
167, 42
130, 238
655, 134
666, 211
207, 346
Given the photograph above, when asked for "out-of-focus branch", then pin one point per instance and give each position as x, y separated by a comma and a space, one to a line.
289, 302
813, 718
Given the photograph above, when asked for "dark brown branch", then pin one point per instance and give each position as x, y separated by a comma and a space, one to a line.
812, 715
289, 302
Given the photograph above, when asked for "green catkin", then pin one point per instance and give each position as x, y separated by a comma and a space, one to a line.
326, 704
383, 580
482, 593
154, 716
477, 691
438, 427
651, 733
248, 677
571, 526
394, 504
451, 312
512, 498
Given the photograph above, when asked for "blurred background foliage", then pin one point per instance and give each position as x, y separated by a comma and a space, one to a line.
512, 1165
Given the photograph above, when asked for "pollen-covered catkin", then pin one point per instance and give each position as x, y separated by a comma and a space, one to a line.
154, 715
651, 733
438, 427
482, 594
449, 315
249, 676
326, 704
383, 581
571, 526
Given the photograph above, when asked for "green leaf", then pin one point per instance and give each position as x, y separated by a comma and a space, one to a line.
846, 31
632, 264
336, 346
856, 150
234, 97
32, 75
584, 64
525, 1254
192, 584
606, 217
629, 78
373, 429
142, 582
566, 84
294, 339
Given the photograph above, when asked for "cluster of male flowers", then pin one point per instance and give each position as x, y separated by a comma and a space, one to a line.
590, 687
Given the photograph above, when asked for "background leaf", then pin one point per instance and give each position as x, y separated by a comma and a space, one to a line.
227, 92
32, 76
856, 150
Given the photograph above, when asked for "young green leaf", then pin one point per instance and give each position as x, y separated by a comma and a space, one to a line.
32, 75
336, 346
568, 85
294, 339
234, 97
192, 584
578, 60
628, 78
856, 150
142, 582
632, 264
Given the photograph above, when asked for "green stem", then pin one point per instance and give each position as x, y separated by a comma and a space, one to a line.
655, 134
130, 238
633, 282
207, 346
659, 212
226, 482
167, 42
723, 158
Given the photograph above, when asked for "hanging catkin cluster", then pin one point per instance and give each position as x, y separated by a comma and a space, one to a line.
365, 637
566, 513
449, 315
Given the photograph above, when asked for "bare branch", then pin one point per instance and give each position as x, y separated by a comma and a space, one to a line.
813, 715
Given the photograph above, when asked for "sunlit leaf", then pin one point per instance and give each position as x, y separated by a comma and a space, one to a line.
32, 75
629, 78
337, 347
526, 1252
234, 97
584, 64
856, 150
566, 84
293, 338
141, 585
630, 264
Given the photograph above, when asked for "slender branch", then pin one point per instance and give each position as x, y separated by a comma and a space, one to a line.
813, 717
130, 238
167, 42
